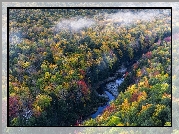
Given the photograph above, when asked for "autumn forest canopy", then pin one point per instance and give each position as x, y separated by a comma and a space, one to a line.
60, 61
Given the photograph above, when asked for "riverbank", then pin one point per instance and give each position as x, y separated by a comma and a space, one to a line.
141, 99
109, 90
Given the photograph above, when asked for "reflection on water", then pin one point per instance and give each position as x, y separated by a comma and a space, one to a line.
101, 109
113, 88
111, 93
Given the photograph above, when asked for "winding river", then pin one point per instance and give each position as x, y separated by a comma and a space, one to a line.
110, 92
101, 108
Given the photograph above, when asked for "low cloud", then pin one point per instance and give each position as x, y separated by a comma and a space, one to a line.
75, 24
15, 38
127, 18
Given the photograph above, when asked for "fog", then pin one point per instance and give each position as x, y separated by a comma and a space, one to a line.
75, 24
15, 38
127, 18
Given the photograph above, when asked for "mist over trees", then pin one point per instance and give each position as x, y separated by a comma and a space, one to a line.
59, 57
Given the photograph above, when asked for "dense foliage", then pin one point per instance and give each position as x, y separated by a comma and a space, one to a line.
54, 71
147, 102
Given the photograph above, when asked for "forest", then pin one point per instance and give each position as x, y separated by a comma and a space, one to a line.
60, 61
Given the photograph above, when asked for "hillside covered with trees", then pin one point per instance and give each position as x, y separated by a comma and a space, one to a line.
59, 58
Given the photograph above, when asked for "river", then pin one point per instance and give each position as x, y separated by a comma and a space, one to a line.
111, 92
